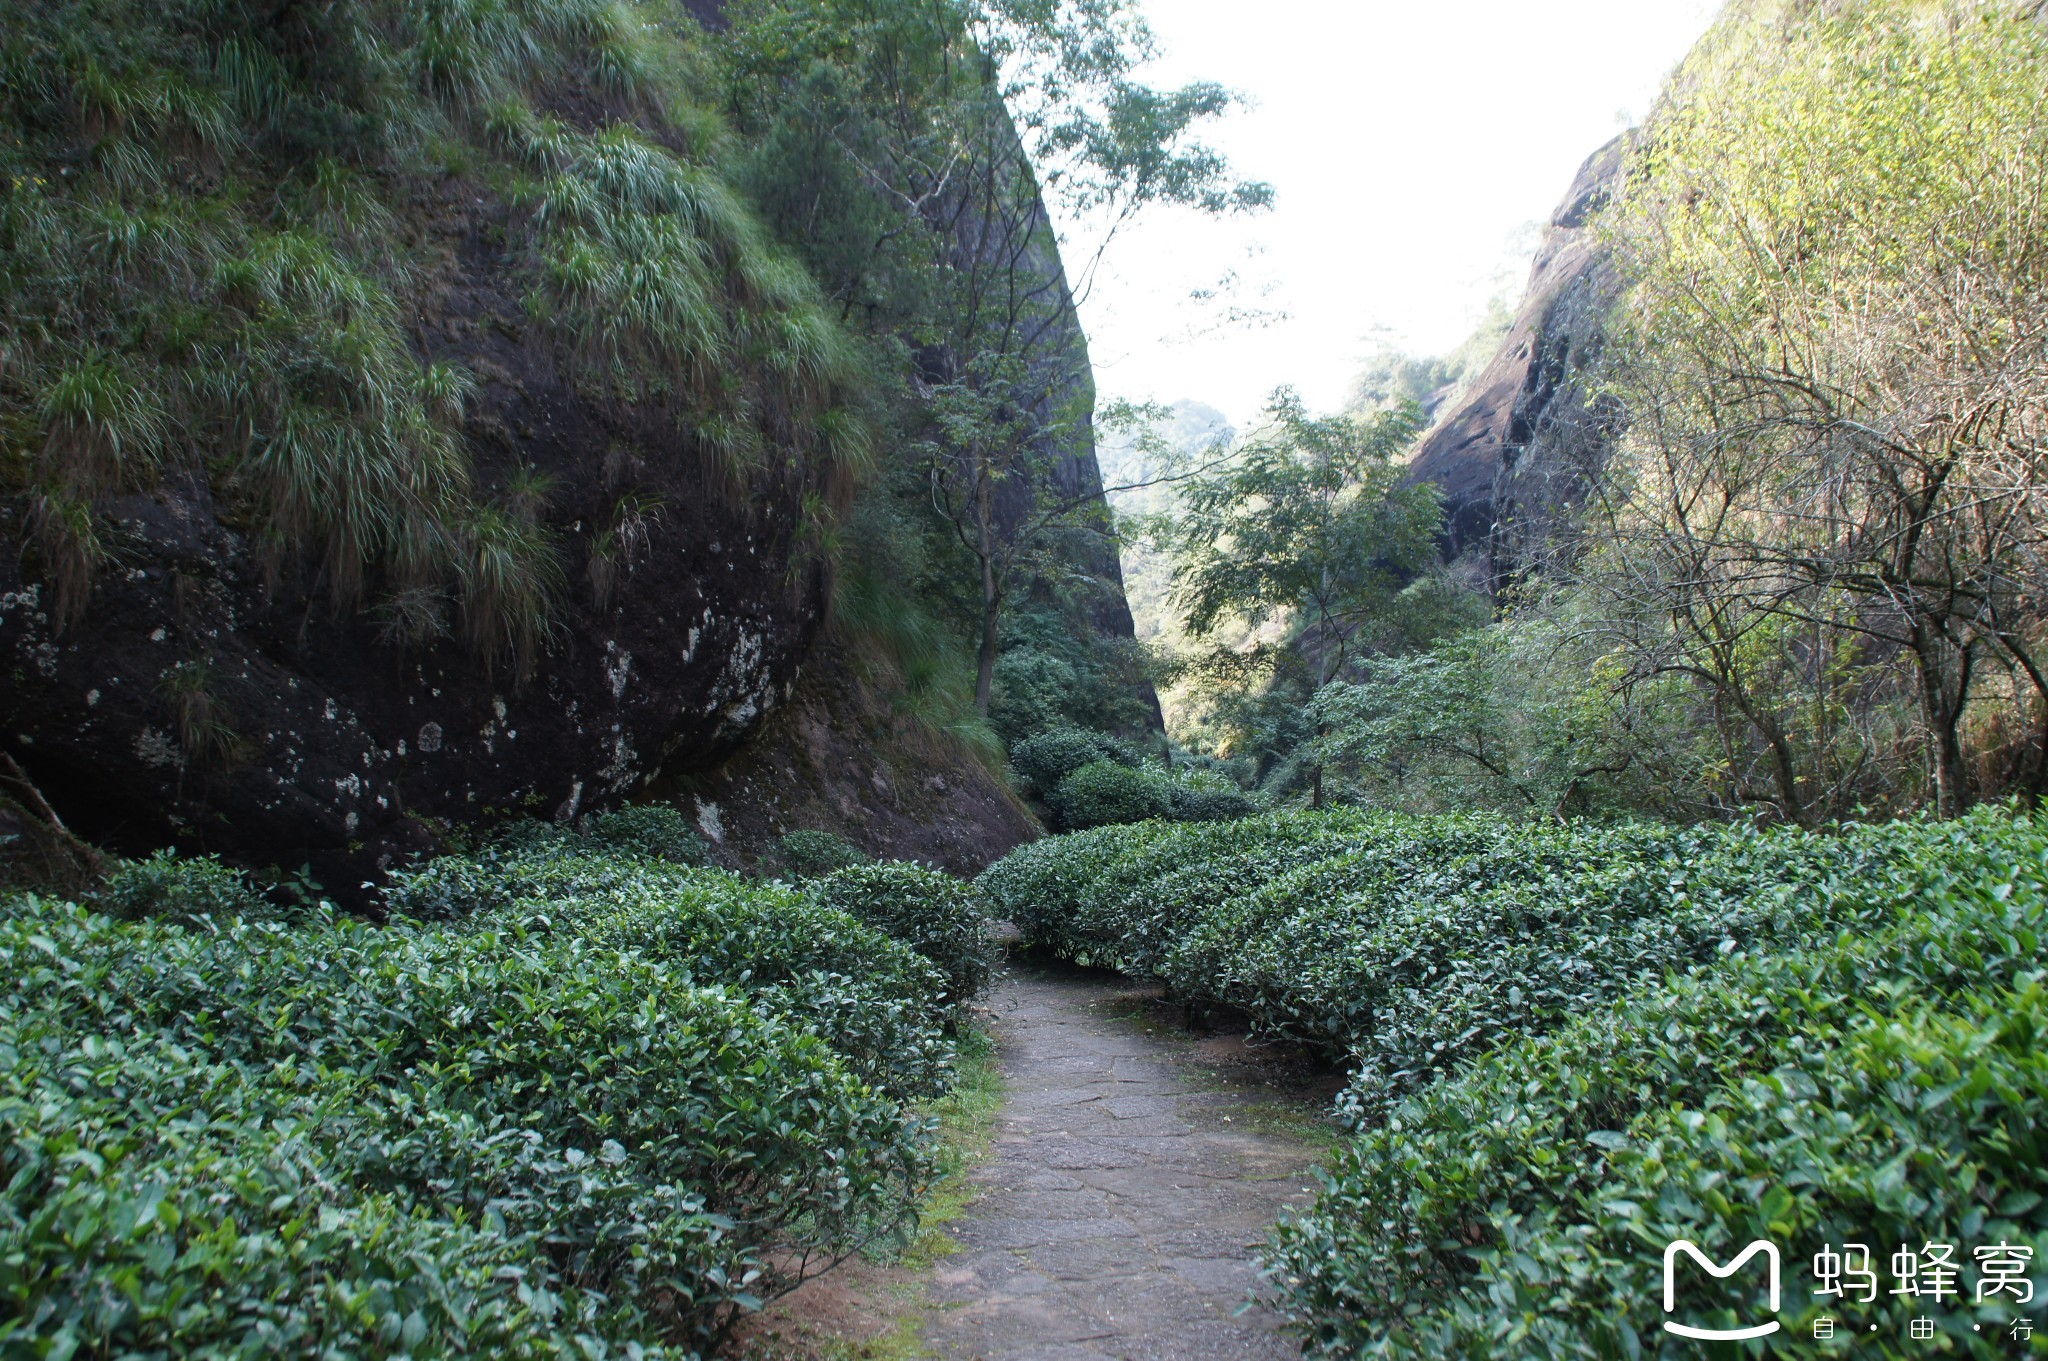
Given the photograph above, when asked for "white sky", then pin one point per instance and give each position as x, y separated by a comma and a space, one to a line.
1413, 146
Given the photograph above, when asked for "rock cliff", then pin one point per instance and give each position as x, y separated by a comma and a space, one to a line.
207, 697
1520, 444
323, 741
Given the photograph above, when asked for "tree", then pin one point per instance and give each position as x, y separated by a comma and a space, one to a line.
1313, 523
1312, 516
1836, 373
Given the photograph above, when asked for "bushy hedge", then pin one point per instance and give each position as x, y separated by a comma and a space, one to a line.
1710, 1033
935, 914
650, 829
1443, 940
1103, 794
656, 831
1885, 1085
190, 892
1120, 896
592, 1111
1408, 944
1088, 779
1042, 761
1208, 803
806, 854
880, 1004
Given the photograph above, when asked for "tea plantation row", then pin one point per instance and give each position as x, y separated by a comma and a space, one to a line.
1574, 1045
571, 1101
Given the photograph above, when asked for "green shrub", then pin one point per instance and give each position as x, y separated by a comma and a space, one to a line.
933, 913
878, 1003
1407, 944
1057, 671
1883, 1085
520, 853
549, 1145
1575, 1044
1446, 939
1043, 761
1031, 690
1037, 885
1198, 803
189, 892
1233, 906
1104, 794
452, 887
528, 834
812, 853
236, 1233
650, 829
1121, 896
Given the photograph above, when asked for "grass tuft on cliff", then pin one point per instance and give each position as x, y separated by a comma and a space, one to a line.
220, 221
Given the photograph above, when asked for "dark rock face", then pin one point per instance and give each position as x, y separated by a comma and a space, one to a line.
203, 703
197, 704
1521, 445
837, 758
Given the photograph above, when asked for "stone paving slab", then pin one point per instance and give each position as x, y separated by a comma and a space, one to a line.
1119, 1210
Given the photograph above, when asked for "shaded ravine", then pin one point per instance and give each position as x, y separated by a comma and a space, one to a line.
1121, 1204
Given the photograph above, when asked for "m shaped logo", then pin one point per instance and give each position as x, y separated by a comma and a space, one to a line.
1719, 1273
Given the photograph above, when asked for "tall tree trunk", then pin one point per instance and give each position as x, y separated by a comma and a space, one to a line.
1322, 679
1784, 761
2036, 777
991, 602
1942, 711
985, 665
1784, 768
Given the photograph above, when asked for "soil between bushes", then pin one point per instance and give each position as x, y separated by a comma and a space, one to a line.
1134, 1170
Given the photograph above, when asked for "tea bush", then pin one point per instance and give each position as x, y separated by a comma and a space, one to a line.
195, 892
1210, 959
596, 1106
876, 1001
1089, 779
1119, 896
1885, 1085
1716, 1033
650, 829
1407, 944
933, 913
609, 848
1037, 885
236, 1227
806, 854
1441, 944
1042, 761
1207, 803
1104, 793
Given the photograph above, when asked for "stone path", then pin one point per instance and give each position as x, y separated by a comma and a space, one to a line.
1121, 1204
